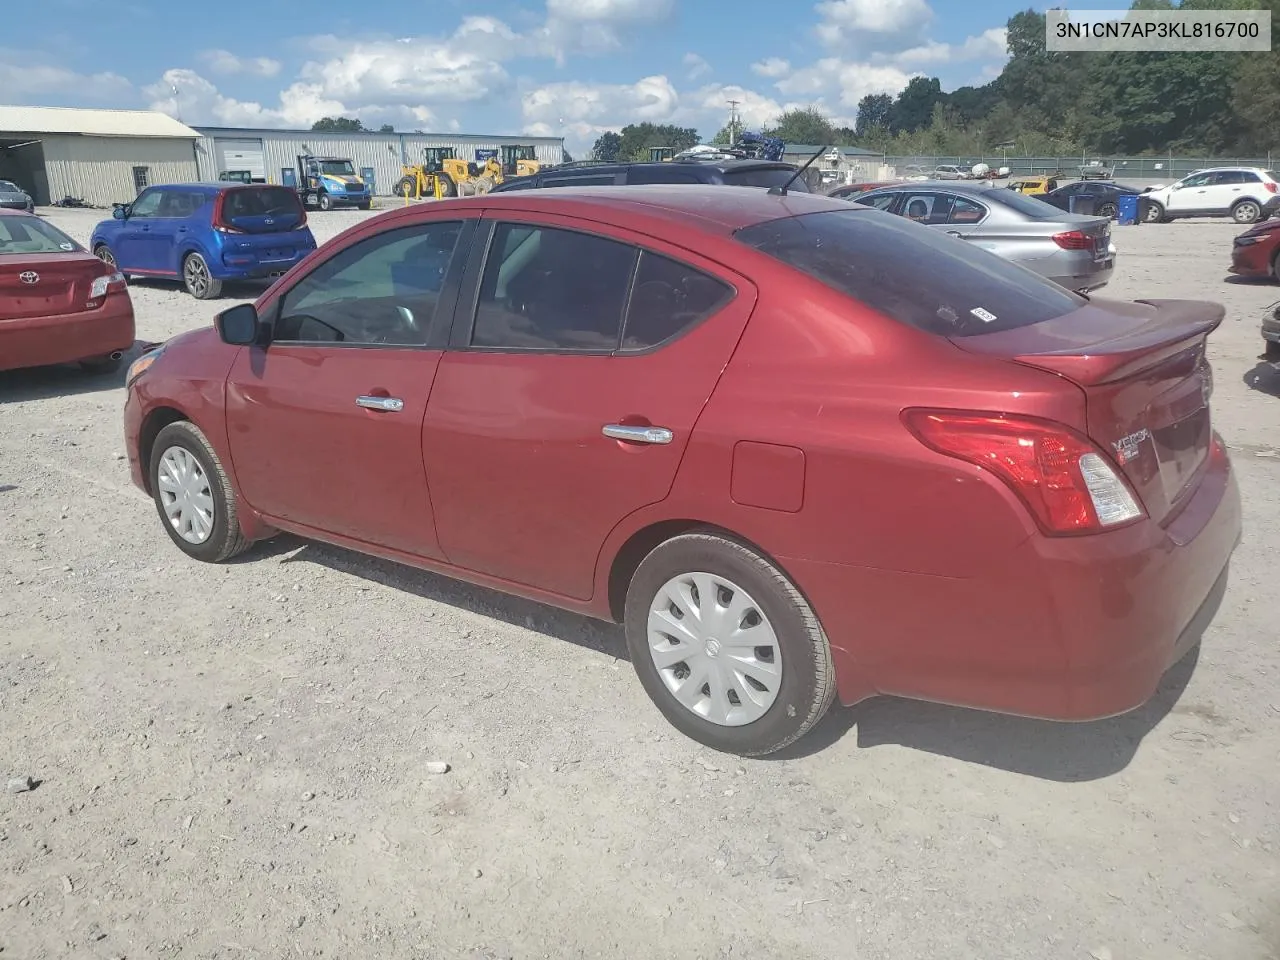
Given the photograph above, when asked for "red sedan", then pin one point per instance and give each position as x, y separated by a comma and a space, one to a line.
58, 302
799, 447
1256, 252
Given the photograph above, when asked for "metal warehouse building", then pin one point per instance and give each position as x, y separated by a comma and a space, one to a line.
100, 156
273, 154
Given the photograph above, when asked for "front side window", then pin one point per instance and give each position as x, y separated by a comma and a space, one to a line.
881, 201
922, 278
382, 290
1199, 180
147, 205
545, 288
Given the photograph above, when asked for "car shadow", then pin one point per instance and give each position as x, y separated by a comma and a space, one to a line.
64, 379
1264, 377
551, 622
1045, 749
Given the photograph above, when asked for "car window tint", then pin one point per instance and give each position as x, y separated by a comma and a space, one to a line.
147, 205
550, 289
927, 207
1247, 176
881, 201
964, 210
669, 298
260, 202
922, 278
598, 181
1032, 207
765, 177
519, 183
1199, 180
382, 290
32, 235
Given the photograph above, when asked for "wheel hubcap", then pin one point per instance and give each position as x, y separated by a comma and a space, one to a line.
185, 495
197, 275
714, 649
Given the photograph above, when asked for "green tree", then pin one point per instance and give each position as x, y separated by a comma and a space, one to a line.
723, 136
805, 125
913, 109
607, 146
637, 138
386, 128
873, 113
339, 125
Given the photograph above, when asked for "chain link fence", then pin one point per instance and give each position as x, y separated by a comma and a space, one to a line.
1155, 169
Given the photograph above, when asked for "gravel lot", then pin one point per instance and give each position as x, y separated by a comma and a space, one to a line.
232, 762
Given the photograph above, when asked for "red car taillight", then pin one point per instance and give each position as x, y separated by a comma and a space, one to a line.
1270, 185
1073, 240
1065, 480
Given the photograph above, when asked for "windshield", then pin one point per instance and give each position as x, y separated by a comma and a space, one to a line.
916, 275
7, 186
32, 235
1030, 206
337, 168
765, 177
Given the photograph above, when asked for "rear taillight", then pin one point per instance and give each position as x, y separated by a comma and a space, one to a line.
1073, 240
1270, 185
111, 280
220, 225
1066, 481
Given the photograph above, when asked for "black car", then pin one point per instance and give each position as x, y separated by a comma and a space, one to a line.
1106, 195
734, 173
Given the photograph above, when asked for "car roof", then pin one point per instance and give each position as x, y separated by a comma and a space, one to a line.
721, 165
711, 208
956, 186
214, 185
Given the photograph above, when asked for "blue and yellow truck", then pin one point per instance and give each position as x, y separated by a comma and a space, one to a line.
330, 182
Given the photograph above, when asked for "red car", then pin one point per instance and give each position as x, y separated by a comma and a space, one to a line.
58, 302
1256, 252
799, 447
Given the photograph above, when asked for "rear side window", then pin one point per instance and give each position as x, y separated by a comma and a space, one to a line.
260, 202
669, 298
765, 177
915, 275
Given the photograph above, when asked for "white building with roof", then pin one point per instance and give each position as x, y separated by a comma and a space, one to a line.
100, 156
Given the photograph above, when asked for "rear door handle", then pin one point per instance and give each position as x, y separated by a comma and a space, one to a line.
385, 404
618, 431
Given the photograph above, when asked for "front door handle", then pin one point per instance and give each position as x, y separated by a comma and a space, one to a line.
618, 431
386, 404
954, 233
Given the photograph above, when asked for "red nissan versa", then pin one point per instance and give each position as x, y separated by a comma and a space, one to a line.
1256, 252
58, 302
799, 447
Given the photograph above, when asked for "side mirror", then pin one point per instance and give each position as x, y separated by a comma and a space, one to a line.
239, 325
120, 211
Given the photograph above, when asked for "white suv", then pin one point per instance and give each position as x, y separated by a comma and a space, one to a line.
1245, 194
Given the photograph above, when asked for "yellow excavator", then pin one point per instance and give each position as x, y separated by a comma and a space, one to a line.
442, 174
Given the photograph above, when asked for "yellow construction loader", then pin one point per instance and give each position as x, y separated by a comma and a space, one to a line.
441, 174
661, 154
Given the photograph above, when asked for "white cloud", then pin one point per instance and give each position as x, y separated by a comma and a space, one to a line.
594, 26
23, 77
198, 101
989, 45
772, 67
867, 24
696, 66
226, 62
845, 81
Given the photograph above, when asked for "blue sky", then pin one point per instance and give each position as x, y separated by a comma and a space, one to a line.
557, 67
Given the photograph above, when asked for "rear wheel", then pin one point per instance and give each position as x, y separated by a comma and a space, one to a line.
1246, 211
726, 646
366, 204
447, 187
325, 201
406, 187
1107, 210
200, 283
103, 253
193, 496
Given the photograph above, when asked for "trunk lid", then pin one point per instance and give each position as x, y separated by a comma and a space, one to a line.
1097, 229
1146, 381
61, 283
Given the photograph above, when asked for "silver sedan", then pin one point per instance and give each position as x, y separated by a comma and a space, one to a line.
1071, 250
14, 197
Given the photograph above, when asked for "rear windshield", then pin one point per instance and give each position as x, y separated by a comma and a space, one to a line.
1030, 206
33, 235
914, 274
261, 202
765, 177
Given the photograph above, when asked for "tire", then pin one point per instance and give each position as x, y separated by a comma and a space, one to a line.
366, 205
185, 444
1108, 210
447, 187
406, 187
200, 283
1246, 211
779, 711
325, 201
1155, 212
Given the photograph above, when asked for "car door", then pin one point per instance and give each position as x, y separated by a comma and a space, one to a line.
130, 247
160, 233
964, 218
1192, 195
324, 423
569, 392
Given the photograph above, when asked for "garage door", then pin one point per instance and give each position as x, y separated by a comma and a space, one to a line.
241, 155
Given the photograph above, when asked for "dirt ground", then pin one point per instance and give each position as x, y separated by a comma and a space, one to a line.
232, 762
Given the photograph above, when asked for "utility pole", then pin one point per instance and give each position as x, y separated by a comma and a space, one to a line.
733, 122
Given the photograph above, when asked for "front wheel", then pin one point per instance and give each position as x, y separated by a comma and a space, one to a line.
200, 283
325, 201
1155, 212
1246, 211
726, 646
193, 496
366, 204
406, 187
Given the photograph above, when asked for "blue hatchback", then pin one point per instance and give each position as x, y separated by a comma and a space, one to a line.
205, 234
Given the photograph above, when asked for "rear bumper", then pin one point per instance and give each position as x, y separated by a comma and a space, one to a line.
1073, 628
1087, 278
247, 268
41, 341
1251, 260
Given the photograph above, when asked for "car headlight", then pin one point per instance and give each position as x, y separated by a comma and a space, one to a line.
102, 284
142, 365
